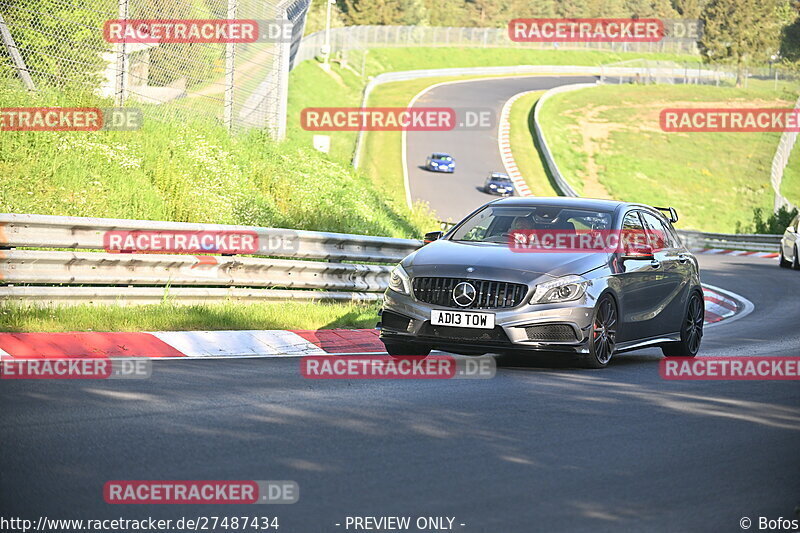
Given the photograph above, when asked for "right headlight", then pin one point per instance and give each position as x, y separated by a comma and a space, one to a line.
399, 281
565, 289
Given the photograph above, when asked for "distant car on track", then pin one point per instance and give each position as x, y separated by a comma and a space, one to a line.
789, 257
499, 183
439, 162
469, 292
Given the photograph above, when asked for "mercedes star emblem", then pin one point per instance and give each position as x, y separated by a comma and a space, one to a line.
464, 294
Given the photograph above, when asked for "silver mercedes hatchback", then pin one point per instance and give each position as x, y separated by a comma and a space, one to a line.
475, 290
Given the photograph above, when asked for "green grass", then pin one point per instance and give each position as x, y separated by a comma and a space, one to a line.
790, 186
525, 147
310, 86
173, 317
187, 170
714, 180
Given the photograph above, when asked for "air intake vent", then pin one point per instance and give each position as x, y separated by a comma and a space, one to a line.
394, 321
551, 333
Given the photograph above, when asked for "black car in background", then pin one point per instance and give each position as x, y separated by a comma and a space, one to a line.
499, 183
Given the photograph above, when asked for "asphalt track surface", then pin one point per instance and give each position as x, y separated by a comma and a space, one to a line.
541, 447
475, 150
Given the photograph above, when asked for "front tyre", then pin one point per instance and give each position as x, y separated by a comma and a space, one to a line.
603, 339
691, 330
782, 261
395, 348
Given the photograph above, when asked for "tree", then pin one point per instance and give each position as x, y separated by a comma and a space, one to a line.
385, 12
790, 39
690, 9
740, 32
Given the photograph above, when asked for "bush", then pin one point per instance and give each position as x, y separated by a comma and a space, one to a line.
774, 223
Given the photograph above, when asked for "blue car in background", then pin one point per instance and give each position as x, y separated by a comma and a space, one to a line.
438, 162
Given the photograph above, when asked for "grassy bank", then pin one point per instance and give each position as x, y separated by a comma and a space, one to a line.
525, 147
187, 170
790, 186
608, 143
172, 317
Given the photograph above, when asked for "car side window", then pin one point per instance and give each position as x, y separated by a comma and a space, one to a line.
632, 221
660, 236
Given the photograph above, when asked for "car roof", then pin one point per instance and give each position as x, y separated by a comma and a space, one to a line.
498, 175
564, 201
577, 203
439, 154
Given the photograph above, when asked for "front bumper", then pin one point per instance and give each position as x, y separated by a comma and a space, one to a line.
495, 192
440, 168
514, 328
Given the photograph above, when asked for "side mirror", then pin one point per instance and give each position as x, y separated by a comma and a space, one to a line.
432, 236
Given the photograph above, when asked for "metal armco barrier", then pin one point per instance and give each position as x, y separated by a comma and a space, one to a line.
47, 231
302, 265
299, 265
745, 241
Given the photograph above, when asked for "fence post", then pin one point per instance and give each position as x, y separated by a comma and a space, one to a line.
230, 55
121, 82
285, 55
16, 57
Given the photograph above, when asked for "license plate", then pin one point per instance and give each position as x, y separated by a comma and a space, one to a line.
462, 319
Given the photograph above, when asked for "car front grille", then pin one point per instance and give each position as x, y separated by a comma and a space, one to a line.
551, 333
489, 294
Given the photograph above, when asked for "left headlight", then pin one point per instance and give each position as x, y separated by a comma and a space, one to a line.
564, 289
399, 281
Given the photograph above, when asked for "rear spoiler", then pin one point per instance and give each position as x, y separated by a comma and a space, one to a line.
673, 215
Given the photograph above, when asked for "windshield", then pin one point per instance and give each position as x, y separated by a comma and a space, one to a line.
501, 179
495, 224
442, 156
